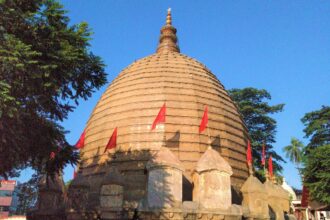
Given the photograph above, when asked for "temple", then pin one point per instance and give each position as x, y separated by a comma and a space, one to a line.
171, 172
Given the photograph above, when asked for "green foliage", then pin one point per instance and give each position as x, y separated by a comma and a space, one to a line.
295, 151
317, 173
45, 69
255, 109
27, 194
317, 164
317, 127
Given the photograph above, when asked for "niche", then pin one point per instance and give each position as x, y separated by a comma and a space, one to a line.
187, 189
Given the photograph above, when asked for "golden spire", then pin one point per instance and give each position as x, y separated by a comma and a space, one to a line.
169, 17
168, 40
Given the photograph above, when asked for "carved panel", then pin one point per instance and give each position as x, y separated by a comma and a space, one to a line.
112, 196
78, 198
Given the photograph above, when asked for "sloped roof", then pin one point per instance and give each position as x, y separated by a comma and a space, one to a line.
212, 160
164, 157
252, 184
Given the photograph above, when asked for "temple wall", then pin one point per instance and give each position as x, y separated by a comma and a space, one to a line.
164, 188
212, 190
133, 99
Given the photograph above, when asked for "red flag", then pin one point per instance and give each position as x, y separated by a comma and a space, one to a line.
160, 117
249, 153
263, 159
270, 166
52, 155
112, 141
74, 174
204, 121
81, 142
304, 197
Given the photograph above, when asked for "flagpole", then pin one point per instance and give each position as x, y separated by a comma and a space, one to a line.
208, 134
264, 157
208, 129
265, 168
249, 158
205, 124
160, 119
164, 135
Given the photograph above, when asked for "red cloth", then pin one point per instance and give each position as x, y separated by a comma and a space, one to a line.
74, 174
81, 142
249, 153
112, 141
304, 197
52, 155
263, 159
204, 121
160, 117
270, 166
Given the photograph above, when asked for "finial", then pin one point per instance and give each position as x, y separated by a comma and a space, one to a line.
273, 178
266, 175
164, 139
250, 169
168, 40
169, 17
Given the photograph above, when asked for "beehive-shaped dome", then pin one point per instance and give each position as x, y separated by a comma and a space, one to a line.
133, 100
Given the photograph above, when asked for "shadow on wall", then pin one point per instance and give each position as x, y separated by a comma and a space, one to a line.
216, 143
174, 142
236, 196
272, 213
150, 180
164, 188
143, 187
187, 186
187, 189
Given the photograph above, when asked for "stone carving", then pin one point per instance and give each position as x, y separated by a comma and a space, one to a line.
278, 199
78, 194
112, 190
50, 199
283, 198
112, 196
131, 103
254, 197
77, 198
211, 179
51, 192
164, 189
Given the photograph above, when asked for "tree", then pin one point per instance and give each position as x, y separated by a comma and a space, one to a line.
317, 174
317, 165
255, 109
295, 152
27, 194
67, 185
46, 68
317, 127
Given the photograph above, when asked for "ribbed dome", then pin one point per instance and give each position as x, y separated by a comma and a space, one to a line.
133, 99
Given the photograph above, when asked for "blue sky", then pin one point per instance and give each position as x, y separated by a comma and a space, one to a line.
281, 46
